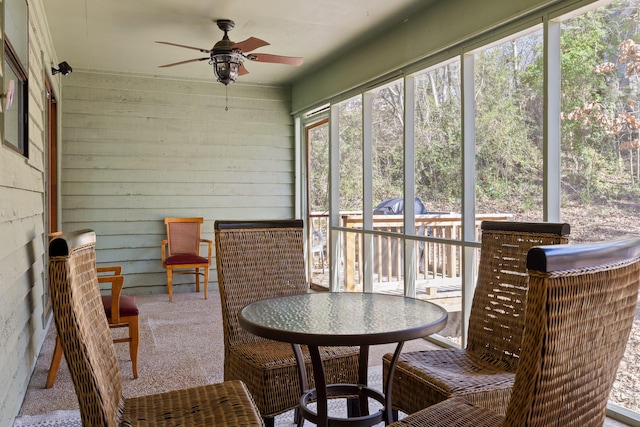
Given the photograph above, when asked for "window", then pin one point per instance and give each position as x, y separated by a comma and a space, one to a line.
350, 130
350, 155
15, 75
515, 124
600, 149
438, 139
16, 113
387, 142
437, 152
508, 128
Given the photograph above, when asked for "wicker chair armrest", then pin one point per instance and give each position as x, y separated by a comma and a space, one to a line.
568, 257
248, 225
65, 243
560, 228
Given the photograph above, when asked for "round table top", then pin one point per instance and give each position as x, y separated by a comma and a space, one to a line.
341, 318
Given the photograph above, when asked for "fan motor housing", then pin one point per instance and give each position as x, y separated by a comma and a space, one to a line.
224, 45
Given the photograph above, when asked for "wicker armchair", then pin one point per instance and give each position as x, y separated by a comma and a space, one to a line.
258, 260
86, 341
581, 306
484, 372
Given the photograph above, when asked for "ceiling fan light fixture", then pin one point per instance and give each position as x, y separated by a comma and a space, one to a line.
226, 66
227, 57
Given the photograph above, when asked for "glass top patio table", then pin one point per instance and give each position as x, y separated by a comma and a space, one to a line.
343, 319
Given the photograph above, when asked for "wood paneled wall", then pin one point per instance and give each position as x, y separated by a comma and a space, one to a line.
23, 319
137, 149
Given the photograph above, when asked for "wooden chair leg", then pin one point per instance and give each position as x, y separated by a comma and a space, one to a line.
197, 280
133, 345
55, 364
170, 283
206, 281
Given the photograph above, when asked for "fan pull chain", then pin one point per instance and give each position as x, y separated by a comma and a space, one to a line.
226, 94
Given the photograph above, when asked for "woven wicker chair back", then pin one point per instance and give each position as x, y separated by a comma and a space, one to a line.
83, 329
183, 238
497, 316
577, 328
255, 261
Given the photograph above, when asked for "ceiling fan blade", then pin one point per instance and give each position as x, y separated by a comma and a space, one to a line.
249, 44
276, 59
188, 47
242, 70
183, 62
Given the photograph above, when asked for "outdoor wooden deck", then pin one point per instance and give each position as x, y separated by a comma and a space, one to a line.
434, 260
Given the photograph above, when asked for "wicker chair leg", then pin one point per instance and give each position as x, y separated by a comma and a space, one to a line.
269, 421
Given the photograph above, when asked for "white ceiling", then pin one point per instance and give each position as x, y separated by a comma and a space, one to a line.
120, 35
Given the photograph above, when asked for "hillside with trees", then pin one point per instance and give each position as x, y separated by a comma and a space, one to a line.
600, 120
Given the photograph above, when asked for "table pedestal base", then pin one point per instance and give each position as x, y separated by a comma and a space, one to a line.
344, 390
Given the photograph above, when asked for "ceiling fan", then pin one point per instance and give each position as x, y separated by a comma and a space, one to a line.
227, 56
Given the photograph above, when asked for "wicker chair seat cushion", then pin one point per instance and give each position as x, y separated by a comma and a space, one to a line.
186, 259
428, 377
269, 369
223, 404
128, 306
455, 412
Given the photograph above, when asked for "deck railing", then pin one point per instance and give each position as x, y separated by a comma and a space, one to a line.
433, 259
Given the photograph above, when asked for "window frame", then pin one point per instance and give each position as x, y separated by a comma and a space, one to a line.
549, 21
20, 96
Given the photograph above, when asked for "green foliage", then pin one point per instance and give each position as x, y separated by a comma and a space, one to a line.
600, 107
598, 97
508, 135
318, 146
350, 129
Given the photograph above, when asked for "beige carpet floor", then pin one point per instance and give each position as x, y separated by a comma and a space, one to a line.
181, 346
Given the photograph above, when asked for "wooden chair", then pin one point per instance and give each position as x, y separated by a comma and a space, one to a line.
258, 260
580, 310
181, 250
90, 353
121, 312
483, 372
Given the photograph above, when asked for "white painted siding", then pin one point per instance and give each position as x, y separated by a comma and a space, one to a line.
22, 253
137, 149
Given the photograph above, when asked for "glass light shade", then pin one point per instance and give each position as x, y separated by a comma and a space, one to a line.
226, 67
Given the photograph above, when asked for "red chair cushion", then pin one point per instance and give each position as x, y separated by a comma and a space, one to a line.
128, 305
186, 259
